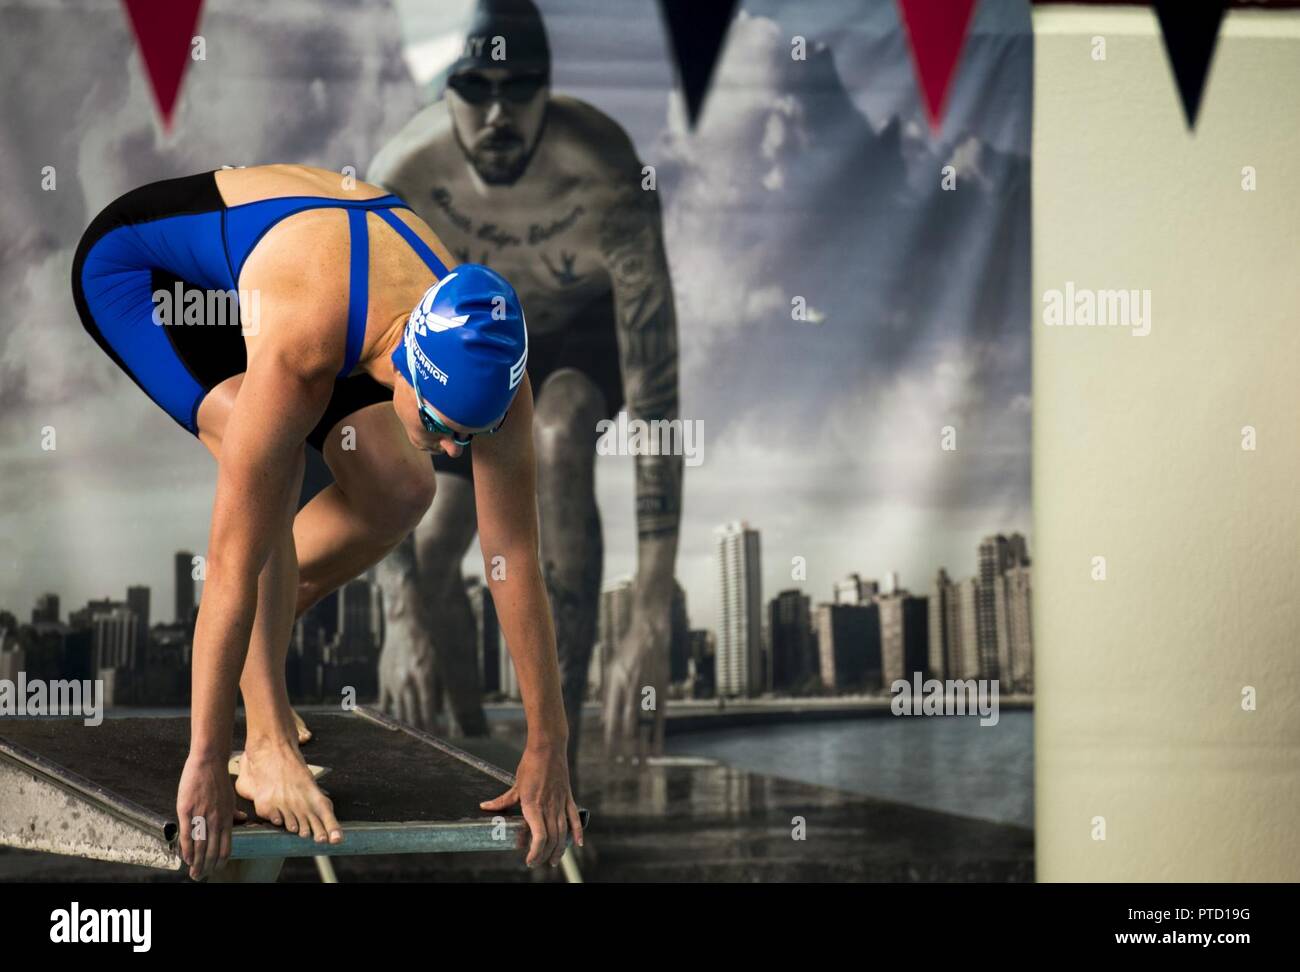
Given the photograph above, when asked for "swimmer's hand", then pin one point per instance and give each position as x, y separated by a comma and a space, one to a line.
205, 809
542, 792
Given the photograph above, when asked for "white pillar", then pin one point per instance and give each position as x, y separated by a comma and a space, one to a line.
1138, 455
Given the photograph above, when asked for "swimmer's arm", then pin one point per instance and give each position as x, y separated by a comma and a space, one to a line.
631, 243
505, 492
281, 399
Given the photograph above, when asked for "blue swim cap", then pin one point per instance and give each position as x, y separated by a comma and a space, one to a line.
468, 345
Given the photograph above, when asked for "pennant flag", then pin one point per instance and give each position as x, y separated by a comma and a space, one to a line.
936, 31
1190, 30
696, 29
163, 31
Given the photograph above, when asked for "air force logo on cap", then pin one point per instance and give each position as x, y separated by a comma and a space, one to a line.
469, 340
424, 318
521, 364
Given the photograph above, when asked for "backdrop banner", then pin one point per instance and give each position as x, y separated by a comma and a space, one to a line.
779, 346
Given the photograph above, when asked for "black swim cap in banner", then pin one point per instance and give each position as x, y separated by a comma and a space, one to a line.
506, 34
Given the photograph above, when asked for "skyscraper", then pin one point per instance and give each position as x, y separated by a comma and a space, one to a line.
853, 589
942, 623
903, 636
703, 656
137, 599
184, 566
313, 644
487, 634
12, 658
848, 644
790, 630
613, 617
740, 615
967, 630
508, 679
679, 637
46, 609
1015, 629
325, 613
83, 619
1003, 614
994, 557
114, 637
1017, 551
358, 625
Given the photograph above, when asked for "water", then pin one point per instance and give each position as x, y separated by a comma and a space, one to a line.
951, 764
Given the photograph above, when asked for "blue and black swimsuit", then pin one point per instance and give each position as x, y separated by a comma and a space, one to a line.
179, 236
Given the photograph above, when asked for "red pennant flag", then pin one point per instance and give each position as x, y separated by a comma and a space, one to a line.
163, 31
936, 31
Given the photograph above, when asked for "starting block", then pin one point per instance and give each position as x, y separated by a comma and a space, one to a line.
108, 792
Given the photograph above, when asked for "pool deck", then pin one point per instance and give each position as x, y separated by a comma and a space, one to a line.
680, 820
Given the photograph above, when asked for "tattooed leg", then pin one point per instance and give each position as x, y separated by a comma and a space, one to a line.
440, 542
568, 408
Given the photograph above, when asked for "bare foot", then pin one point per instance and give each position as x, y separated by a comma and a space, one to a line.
276, 779
304, 734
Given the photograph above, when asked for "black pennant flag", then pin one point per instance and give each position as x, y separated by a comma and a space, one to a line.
1190, 28
696, 29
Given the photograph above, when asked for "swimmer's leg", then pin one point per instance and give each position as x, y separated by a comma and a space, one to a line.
381, 489
273, 774
262, 684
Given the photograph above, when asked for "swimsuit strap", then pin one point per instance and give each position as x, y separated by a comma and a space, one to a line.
359, 267
244, 225
358, 287
421, 248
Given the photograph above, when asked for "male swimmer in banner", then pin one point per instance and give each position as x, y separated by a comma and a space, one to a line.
372, 344
548, 190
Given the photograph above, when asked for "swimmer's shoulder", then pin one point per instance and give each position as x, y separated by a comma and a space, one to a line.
258, 182
423, 143
588, 142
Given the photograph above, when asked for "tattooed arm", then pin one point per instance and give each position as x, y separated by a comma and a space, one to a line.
631, 245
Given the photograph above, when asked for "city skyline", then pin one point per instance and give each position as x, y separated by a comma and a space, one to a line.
333, 646
863, 633
979, 626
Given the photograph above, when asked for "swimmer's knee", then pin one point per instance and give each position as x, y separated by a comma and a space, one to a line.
568, 408
413, 497
214, 412
399, 508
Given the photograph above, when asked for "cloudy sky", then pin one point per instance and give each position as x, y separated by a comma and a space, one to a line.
815, 179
